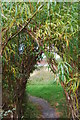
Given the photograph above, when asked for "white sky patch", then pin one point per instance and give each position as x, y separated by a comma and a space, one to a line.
57, 57
43, 55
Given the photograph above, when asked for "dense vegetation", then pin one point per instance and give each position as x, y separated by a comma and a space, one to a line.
28, 30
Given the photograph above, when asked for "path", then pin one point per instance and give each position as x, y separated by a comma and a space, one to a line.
46, 110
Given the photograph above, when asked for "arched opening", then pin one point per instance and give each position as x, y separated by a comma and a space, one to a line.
47, 93
33, 29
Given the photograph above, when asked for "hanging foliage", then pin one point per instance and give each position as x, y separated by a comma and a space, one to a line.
28, 30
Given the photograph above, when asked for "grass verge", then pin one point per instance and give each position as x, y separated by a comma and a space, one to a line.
32, 112
53, 94
41, 84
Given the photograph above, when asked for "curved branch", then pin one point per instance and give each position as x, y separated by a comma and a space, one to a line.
14, 35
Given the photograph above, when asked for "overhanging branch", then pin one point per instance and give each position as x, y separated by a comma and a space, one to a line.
14, 35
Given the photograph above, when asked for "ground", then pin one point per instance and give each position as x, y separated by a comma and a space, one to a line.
42, 85
46, 110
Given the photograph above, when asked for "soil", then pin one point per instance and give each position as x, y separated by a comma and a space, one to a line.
47, 111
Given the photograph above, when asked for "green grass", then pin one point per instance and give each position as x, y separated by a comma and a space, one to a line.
31, 111
49, 90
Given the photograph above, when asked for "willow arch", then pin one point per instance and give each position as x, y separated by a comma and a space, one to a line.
47, 37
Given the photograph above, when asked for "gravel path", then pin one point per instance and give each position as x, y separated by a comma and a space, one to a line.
46, 110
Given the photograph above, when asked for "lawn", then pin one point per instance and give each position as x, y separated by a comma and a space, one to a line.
41, 84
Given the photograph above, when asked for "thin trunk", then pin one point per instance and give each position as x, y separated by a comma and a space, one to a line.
79, 101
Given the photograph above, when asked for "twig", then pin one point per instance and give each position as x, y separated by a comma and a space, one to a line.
14, 35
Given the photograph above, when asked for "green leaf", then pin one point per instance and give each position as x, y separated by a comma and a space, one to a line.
66, 69
68, 65
62, 71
